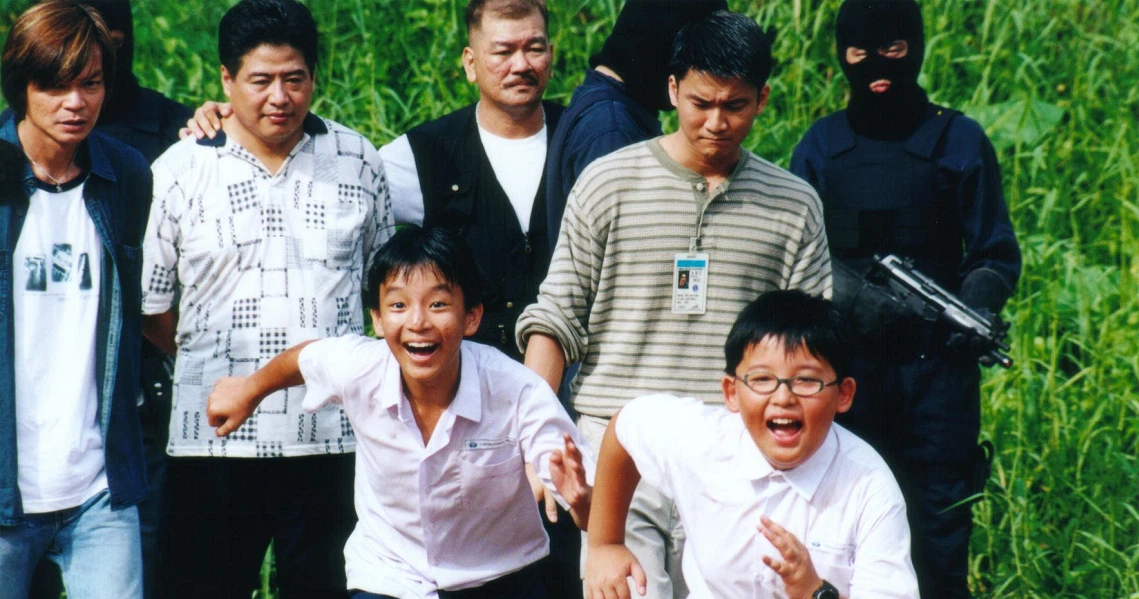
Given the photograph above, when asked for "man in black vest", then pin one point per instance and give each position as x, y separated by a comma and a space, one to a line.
480, 172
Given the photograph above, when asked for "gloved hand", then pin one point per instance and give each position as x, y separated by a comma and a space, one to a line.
873, 312
973, 346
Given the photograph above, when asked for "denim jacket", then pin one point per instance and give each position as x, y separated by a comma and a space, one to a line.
117, 194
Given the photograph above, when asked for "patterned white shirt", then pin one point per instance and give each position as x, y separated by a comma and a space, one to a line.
257, 263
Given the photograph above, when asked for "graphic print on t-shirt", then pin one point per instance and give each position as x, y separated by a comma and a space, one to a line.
84, 272
37, 273
61, 268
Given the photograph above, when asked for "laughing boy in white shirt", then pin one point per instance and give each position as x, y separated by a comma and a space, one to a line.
443, 429
777, 500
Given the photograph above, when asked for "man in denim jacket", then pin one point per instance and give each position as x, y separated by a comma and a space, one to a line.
73, 209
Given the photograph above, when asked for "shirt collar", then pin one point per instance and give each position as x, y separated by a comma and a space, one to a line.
805, 478
468, 399
313, 125
91, 148
921, 143
687, 174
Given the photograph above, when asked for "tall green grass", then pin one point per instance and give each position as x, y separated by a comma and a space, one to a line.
1054, 83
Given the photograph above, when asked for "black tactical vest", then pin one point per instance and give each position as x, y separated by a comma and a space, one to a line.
883, 197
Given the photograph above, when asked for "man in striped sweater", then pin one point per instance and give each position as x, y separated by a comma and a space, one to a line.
691, 202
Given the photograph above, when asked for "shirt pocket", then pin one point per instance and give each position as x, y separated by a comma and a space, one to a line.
491, 487
833, 561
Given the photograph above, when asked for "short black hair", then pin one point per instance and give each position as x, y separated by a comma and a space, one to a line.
251, 23
504, 9
434, 247
798, 320
723, 44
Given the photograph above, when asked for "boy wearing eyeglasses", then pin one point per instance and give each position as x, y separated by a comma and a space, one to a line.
777, 500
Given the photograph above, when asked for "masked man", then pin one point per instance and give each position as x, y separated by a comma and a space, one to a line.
900, 175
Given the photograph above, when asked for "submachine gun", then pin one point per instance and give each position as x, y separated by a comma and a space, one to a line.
933, 302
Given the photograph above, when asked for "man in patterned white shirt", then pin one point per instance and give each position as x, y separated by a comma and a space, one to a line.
257, 241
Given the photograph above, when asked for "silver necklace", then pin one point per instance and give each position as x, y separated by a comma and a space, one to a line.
57, 182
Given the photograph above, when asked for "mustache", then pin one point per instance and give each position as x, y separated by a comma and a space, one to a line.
523, 78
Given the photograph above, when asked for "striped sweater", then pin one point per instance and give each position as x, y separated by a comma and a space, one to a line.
607, 298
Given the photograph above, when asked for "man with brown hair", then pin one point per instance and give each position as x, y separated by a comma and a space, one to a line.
71, 464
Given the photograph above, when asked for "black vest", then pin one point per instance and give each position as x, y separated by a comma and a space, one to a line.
461, 193
884, 197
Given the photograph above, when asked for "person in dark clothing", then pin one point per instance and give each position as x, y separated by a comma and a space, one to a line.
73, 468
618, 102
147, 121
898, 174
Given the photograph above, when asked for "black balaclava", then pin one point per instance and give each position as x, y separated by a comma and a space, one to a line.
124, 90
870, 25
641, 44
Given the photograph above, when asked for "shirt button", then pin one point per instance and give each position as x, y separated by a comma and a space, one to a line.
699, 187
454, 187
509, 304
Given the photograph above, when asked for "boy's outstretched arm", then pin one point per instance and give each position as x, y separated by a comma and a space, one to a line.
234, 398
609, 562
567, 470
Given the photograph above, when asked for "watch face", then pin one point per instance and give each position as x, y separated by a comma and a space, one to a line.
827, 591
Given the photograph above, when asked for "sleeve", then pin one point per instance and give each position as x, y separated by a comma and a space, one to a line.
331, 366
566, 295
403, 181
580, 153
648, 428
380, 224
161, 247
992, 261
882, 564
812, 263
542, 422
803, 160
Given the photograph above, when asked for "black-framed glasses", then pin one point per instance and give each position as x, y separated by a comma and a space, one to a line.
766, 383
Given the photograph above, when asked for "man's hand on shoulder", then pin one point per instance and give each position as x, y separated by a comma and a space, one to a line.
794, 566
607, 571
206, 121
230, 404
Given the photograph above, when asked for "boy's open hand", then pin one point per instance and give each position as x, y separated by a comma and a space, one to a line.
795, 568
568, 474
607, 571
206, 121
229, 405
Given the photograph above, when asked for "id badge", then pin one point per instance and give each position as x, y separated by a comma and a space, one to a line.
690, 283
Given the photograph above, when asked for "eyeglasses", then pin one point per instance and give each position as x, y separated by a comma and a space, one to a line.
765, 383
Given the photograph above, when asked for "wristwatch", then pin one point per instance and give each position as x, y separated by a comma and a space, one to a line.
826, 591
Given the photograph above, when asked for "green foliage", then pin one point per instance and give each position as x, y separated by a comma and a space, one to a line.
1054, 83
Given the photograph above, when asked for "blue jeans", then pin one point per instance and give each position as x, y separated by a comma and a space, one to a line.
97, 549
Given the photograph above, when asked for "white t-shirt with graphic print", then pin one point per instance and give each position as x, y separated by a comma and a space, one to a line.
59, 444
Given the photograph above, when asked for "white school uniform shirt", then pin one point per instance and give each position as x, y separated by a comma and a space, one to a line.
458, 512
842, 503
